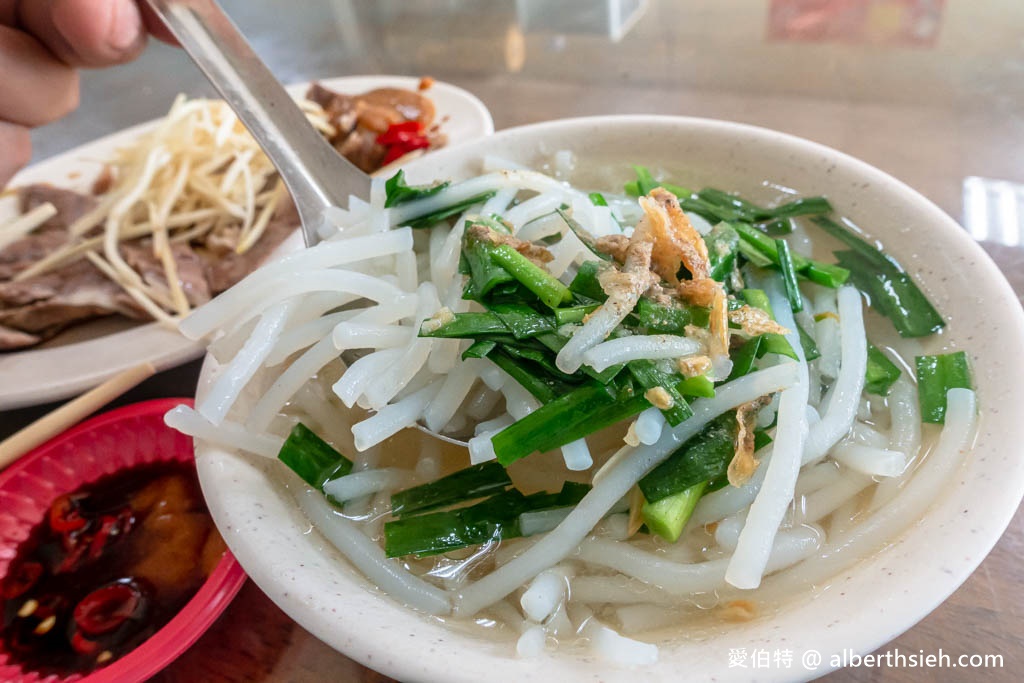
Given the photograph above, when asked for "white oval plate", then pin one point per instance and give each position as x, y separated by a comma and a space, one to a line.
868, 605
84, 356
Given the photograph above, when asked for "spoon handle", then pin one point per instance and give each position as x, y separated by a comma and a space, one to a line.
315, 174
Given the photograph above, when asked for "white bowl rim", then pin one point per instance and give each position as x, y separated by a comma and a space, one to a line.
904, 604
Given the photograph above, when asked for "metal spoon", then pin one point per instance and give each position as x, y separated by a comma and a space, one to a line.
316, 175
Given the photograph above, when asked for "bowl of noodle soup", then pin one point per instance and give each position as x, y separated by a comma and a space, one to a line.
862, 572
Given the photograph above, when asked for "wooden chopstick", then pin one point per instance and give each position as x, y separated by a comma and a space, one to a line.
52, 424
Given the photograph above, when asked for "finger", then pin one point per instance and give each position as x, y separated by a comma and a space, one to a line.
17, 146
8, 13
36, 88
89, 33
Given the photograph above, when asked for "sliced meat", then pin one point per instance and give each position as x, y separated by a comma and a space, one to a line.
77, 292
361, 148
49, 236
29, 291
70, 205
16, 339
222, 269
19, 255
340, 109
139, 255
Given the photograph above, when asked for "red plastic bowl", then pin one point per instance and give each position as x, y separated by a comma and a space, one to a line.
125, 437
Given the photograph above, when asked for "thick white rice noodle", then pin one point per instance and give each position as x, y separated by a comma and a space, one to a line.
233, 378
648, 426
826, 332
330, 254
393, 418
359, 484
905, 435
826, 500
635, 347
387, 574
844, 396
545, 593
609, 645
616, 590
755, 542
453, 392
226, 434
289, 382
577, 456
878, 462
788, 548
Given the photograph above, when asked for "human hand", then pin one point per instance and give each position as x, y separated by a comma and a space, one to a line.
42, 43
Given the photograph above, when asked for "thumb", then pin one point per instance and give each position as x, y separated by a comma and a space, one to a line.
89, 33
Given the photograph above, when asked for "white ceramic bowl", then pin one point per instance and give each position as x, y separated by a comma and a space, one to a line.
872, 603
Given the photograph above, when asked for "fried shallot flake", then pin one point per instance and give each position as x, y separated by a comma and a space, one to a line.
692, 366
437, 321
719, 325
625, 286
744, 464
678, 242
614, 245
659, 398
698, 292
754, 321
631, 439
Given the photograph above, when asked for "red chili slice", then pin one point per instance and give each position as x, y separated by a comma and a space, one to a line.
21, 579
402, 138
400, 132
74, 557
83, 645
398, 151
104, 536
108, 607
65, 515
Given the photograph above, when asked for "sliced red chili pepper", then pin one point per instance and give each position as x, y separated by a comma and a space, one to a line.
400, 132
83, 645
398, 151
125, 521
108, 607
73, 559
402, 138
105, 535
22, 577
65, 515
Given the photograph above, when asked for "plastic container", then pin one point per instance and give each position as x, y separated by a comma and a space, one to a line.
122, 438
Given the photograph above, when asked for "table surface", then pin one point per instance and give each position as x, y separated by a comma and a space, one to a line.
929, 90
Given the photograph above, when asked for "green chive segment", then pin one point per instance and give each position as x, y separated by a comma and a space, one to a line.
476, 481
936, 375
312, 458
